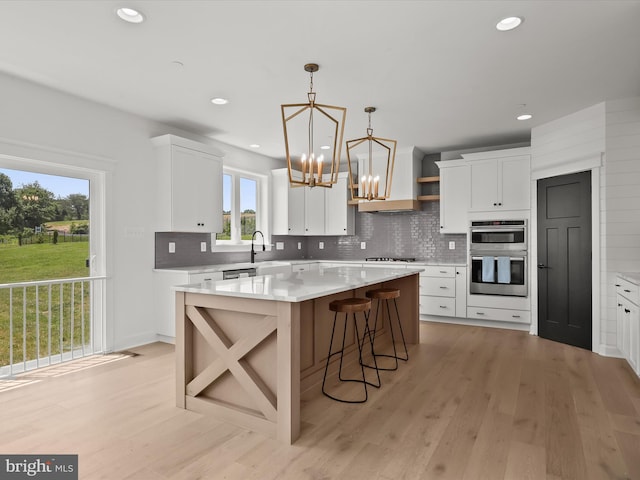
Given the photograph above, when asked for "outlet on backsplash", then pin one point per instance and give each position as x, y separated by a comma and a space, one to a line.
452, 245
172, 247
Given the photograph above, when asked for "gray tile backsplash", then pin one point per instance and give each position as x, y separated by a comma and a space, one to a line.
387, 234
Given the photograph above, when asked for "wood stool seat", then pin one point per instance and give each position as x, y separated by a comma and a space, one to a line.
386, 295
383, 293
352, 306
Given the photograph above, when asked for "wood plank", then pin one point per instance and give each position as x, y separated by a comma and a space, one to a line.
428, 198
288, 365
525, 462
428, 179
630, 446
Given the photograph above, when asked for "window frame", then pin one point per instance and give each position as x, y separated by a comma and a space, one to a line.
236, 244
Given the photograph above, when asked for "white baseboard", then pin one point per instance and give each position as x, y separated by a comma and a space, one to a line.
524, 327
609, 351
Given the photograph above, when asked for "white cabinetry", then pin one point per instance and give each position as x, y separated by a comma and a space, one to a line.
189, 185
442, 291
311, 211
164, 303
314, 210
500, 180
454, 196
339, 216
628, 321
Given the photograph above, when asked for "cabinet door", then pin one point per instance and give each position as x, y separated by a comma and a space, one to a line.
279, 202
515, 182
454, 199
196, 197
461, 292
484, 185
338, 214
620, 324
314, 211
634, 337
296, 210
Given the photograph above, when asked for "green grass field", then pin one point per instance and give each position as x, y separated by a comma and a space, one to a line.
43, 262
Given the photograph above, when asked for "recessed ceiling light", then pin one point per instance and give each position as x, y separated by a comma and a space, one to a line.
219, 101
130, 15
524, 116
254, 145
508, 23
325, 147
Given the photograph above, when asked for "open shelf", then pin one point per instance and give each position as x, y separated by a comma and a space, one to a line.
428, 179
428, 198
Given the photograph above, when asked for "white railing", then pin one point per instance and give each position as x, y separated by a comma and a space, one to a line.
48, 322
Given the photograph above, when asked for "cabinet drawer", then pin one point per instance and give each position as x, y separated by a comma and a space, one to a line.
443, 306
438, 271
499, 314
628, 290
438, 287
203, 277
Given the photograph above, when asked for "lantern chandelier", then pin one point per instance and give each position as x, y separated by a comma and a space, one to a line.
377, 160
313, 141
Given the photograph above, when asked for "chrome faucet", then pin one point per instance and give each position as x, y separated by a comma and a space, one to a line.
253, 252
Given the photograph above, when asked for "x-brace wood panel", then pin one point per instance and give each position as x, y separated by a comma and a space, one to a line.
230, 357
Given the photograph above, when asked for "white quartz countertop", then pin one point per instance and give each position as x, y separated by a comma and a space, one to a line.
631, 277
232, 266
300, 286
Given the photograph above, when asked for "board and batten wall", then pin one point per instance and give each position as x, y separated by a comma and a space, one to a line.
603, 138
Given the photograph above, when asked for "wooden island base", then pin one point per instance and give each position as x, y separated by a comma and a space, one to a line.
247, 361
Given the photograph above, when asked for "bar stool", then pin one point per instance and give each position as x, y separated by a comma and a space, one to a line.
353, 306
387, 294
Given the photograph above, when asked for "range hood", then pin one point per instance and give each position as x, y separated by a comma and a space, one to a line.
404, 185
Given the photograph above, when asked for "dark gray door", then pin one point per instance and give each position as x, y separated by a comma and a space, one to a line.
564, 259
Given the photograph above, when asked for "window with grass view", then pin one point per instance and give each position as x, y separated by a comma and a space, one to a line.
240, 207
44, 239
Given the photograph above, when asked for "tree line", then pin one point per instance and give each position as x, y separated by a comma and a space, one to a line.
25, 208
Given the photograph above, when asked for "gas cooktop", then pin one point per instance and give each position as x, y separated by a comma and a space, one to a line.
389, 259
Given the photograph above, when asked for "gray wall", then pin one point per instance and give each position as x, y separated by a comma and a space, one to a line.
393, 234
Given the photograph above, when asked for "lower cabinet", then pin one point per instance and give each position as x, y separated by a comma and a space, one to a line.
442, 291
628, 321
499, 314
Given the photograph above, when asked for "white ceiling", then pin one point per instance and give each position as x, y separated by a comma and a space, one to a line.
440, 74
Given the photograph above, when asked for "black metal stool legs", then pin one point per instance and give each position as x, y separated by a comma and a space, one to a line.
395, 355
364, 380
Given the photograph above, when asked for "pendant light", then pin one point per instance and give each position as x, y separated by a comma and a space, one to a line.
375, 158
313, 138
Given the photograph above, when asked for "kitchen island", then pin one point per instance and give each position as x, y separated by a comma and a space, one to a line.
248, 348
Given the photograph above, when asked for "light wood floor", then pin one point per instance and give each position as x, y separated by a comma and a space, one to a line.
472, 403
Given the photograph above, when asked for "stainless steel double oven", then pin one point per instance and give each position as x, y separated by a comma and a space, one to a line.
498, 257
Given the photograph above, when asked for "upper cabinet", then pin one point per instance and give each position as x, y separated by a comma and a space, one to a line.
454, 196
500, 180
310, 211
189, 185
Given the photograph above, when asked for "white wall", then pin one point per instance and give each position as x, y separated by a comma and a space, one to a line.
605, 139
621, 215
47, 123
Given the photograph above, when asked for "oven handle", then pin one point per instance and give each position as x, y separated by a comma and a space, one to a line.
498, 229
480, 257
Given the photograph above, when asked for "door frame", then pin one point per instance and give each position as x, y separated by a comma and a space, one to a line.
98, 171
594, 164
